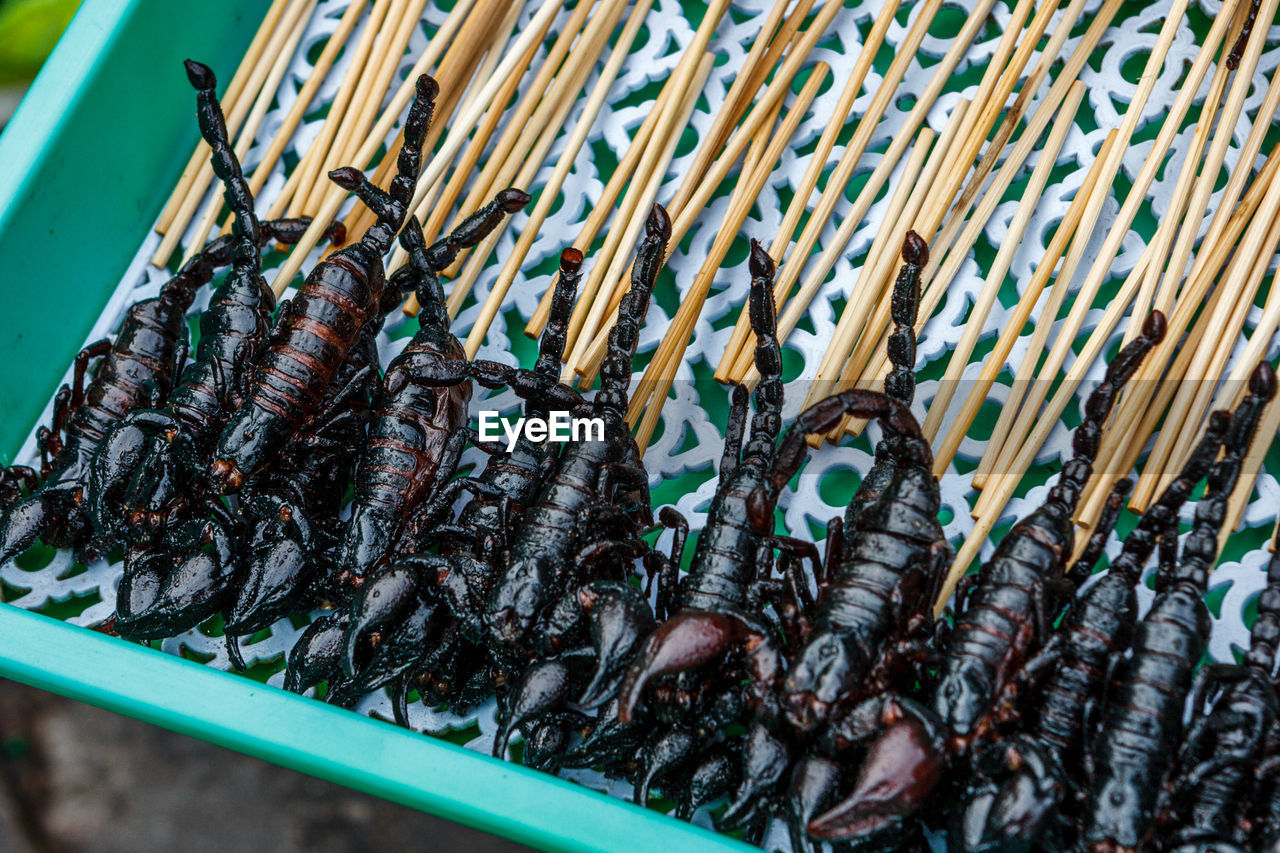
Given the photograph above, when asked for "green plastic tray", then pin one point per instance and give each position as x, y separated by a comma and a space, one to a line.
94, 150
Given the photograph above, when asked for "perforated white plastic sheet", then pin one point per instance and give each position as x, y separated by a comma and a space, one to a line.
1111, 80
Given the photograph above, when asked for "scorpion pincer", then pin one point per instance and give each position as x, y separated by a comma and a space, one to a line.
317, 328
423, 402
1027, 789
595, 501
1007, 615
1142, 722
1236, 710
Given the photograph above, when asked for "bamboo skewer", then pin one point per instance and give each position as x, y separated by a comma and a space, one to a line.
261, 104
320, 152
541, 134
229, 99
1101, 267
1195, 185
1079, 220
976, 322
704, 188
461, 127
817, 162
234, 120
550, 191
789, 272
649, 174
656, 381
939, 273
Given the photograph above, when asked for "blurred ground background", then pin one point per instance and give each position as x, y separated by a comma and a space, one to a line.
77, 778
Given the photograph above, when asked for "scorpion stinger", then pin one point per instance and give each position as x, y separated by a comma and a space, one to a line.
714, 613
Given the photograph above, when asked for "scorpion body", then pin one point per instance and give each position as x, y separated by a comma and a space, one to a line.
1143, 719
1039, 771
1237, 710
1007, 614
323, 321
422, 404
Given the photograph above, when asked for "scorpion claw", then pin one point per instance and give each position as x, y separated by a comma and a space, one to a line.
618, 616
233, 651
314, 658
901, 768
684, 642
21, 525
381, 603
544, 686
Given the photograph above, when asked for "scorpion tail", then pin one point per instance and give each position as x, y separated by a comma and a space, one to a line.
901, 381
615, 371
1200, 550
1264, 638
416, 124
554, 336
1141, 541
1084, 441
1083, 568
822, 416
766, 423
226, 166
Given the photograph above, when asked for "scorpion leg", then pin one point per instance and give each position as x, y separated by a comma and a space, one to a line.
733, 433
97, 349
49, 439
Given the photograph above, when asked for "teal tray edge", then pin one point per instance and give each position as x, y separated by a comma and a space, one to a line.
318, 739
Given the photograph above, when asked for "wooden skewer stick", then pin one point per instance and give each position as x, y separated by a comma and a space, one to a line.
521, 118
460, 128
235, 119
955, 217
1209, 263
789, 271
1080, 219
939, 273
694, 178
760, 113
1009, 477
229, 99
1101, 268
398, 102
547, 196
1185, 215
817, 163
975, 324
658, 376
261, 104
541, 135
320, 151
